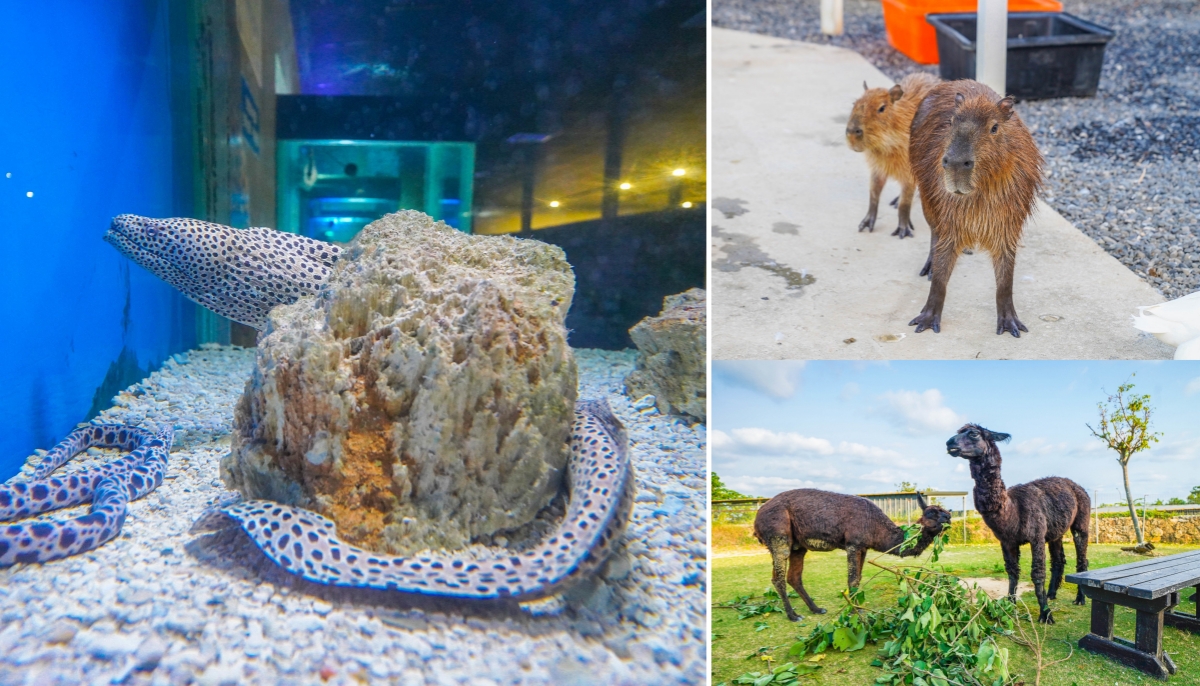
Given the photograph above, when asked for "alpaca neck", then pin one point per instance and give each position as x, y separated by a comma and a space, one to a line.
991, 496
896, 539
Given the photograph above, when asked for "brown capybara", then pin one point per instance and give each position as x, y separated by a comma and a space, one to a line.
879, 126
978, 171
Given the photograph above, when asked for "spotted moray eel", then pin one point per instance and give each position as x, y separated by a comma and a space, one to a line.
243, 273
601, 486
238, 273
108, 487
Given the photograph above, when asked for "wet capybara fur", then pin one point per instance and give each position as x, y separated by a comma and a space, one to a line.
795, 522
879, 126
1038, 513
978, 172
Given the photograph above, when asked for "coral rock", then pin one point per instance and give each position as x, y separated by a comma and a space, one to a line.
671, 358
424, 397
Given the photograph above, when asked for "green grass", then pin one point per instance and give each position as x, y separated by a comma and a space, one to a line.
744, 570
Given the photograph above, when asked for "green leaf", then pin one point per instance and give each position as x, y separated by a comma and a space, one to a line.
764, 680
759, 626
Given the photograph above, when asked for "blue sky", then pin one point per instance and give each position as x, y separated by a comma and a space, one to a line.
857, 427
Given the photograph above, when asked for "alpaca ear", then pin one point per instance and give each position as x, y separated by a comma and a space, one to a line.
922, 502
997, 437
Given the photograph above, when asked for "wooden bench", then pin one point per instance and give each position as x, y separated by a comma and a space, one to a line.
1152, 588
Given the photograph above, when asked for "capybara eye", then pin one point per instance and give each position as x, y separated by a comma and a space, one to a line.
882, 108
995, 128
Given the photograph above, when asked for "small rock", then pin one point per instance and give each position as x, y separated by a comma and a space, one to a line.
150, 652
60, 631
107, 646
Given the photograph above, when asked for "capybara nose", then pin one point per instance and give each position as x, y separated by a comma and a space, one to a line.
856, 132
957, 163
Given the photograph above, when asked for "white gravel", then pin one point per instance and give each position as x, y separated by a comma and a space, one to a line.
160, 606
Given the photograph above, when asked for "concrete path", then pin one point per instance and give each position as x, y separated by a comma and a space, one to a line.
792, 277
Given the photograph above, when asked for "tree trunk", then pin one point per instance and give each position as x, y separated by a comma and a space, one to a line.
1137, 526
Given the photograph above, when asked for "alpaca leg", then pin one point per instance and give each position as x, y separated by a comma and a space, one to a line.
1037, 561
1081, 559
781, 549
1012, 565
796, 580
854, 562
1058, 563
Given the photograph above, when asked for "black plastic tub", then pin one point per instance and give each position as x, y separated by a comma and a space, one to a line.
1050, 54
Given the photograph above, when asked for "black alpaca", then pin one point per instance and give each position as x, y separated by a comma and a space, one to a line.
795, 522
1035, 513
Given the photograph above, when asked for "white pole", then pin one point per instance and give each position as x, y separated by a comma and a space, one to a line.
991, 44
831, 17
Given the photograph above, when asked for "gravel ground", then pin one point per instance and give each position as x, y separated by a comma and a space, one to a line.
158, 605
1124, 166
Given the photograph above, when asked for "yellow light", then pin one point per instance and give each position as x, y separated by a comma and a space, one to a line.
28, 194
687, 204
679, 172
554, 203
626, 186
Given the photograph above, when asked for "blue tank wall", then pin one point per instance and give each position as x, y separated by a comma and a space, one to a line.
87, 127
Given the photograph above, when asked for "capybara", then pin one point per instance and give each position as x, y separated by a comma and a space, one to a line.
879, 126
795, 522
978, 172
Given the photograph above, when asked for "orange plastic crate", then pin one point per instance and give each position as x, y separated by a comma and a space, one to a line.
909, 33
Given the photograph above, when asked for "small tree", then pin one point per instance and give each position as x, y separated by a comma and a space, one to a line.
1125, 427
1177, 501
720, 492
1194, 496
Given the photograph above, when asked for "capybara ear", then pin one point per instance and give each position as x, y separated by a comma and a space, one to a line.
896, 92
865, 86
1006, 107
958, 99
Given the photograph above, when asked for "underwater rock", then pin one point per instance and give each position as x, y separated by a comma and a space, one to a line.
671, 359
423, 398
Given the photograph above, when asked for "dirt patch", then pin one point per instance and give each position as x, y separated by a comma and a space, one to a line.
743, 251
995, 588
730, 207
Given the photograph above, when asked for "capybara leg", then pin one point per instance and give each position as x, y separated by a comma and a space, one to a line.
781, 550
1037, 562
943, 265
796, 580
1012, 566
1006, 312
868, 222
1058, 563
905, 229
1081, 561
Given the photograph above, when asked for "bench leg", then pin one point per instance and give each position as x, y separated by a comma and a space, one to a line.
1145, 653
1184, 621
1102, 619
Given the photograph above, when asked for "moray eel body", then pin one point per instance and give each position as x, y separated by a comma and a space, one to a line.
243, 273
601, 484
108, 487
237, 273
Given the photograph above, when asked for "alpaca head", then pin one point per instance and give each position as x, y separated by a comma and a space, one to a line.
977, 444
933, 518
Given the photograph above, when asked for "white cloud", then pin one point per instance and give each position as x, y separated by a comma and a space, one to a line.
776, 379
1193, 387
755, 441
921, 413
768, 486
1040, 446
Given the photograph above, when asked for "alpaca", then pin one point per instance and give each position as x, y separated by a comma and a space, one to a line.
1036, 512
795, 522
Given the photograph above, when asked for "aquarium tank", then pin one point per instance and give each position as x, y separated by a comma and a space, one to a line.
315, 314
